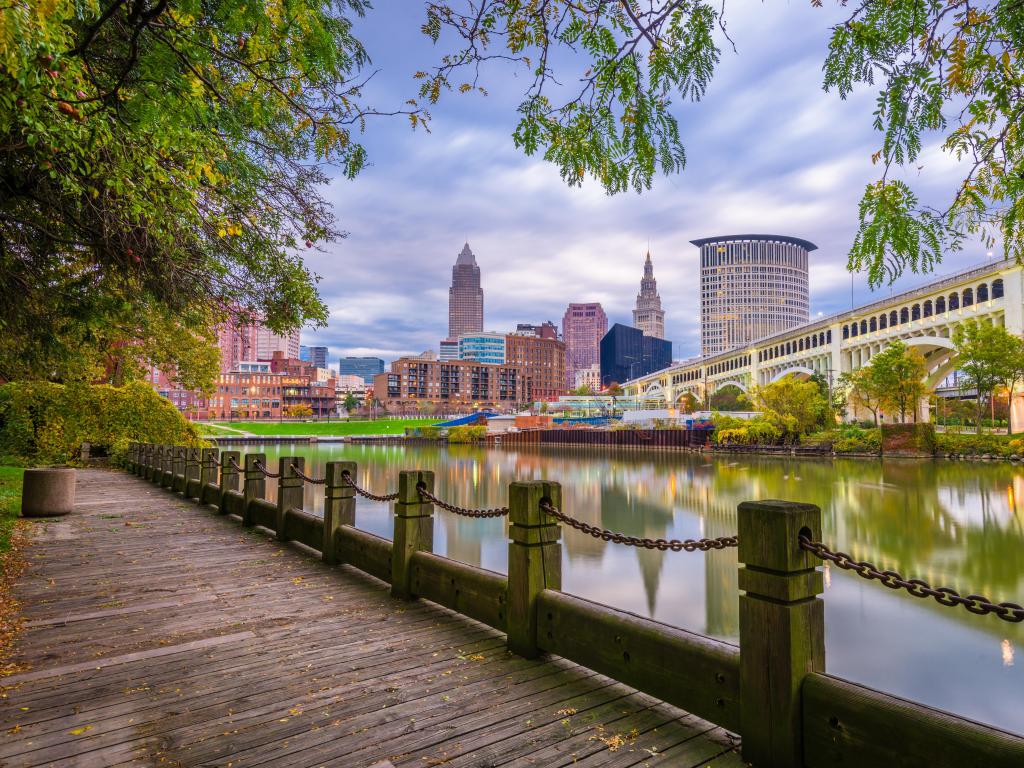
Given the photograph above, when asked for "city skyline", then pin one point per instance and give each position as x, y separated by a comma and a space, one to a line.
542, 245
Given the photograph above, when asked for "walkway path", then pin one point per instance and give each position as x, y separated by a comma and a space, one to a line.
160, 634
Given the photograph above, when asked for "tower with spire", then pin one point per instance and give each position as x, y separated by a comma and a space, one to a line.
465, 297
648, 316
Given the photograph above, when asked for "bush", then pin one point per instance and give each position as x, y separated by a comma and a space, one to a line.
856, 439
44, 423
430, 433
977, 445
467, 434
755, 432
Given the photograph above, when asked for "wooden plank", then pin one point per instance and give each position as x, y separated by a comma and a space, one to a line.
680, 667
368, 553
849, 724
304, 528
466, 589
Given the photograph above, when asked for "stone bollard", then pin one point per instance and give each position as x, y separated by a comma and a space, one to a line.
193, 458
255, 485
48, 492
289, 490
167, 479
782, 627
178, 468
209, 490
339, 506
534, 560
414, 529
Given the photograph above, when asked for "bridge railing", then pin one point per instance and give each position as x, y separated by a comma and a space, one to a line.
772, 690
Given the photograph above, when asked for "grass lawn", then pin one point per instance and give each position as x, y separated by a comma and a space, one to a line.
335, 428
10, 503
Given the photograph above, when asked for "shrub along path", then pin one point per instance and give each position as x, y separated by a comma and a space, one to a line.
161, 634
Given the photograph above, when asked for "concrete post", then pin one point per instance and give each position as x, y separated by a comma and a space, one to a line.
166, 467
208, 476
289, 490
782, 627
414, 529
255, 485
534, 560
193, 459
178, 483
339, 506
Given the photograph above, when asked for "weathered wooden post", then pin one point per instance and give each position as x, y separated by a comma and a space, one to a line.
534, 559
782, 627
178, 468
255, 485
167, 467
208, 476
193, 457
154, 460
339, 505
147, 458
133, 456
229, 461
414, 528
289, 490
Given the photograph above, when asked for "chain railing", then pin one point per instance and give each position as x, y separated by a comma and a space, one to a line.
463, 511
234, 464
266, 472
977, 604
347, 479
675, 545
307, 478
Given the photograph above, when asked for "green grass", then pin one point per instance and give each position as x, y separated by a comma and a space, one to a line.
10, 503
334, 428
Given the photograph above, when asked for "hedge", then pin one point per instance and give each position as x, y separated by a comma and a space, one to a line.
45, 423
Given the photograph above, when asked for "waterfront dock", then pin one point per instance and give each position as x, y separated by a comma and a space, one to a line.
157, 633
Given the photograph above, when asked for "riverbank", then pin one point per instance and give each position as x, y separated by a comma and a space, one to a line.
340, 428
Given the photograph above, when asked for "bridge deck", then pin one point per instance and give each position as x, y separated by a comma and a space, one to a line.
158, 633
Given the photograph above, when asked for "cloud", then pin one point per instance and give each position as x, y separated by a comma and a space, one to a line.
768, 150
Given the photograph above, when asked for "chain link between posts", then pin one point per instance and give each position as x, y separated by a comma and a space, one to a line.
307, 478
477, 513
976, 604
347, 479
266, 472
674, 545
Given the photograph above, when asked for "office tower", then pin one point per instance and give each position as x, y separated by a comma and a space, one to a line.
648, 316
465, 297
367, 367
583, 327
627, 353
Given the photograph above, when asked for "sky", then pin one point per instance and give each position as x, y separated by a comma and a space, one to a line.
768, 152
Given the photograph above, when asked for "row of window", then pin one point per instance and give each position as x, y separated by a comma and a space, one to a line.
941, 305
813, 341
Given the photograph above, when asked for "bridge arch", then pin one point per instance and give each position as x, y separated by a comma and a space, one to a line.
796, 370
720, 385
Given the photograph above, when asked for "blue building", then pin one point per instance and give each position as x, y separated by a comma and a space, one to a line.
627, 353
314, 355
367, 367
485, 347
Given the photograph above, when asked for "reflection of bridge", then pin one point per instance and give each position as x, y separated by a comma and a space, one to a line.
923, 318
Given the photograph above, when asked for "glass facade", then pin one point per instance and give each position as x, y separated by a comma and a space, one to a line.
367, 367
483, 347
627, 353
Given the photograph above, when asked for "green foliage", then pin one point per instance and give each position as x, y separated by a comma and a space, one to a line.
753, 432
430, 433
467, 434
938, 63
10, 503
978, 445
351, 402
914, 438
730, 398
988, 357
794, 407
44, 423
896, 377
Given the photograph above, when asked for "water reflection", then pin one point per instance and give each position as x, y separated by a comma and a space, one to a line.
954, 524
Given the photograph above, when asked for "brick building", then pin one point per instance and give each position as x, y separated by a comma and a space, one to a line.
542, 361
460, 383
251, 392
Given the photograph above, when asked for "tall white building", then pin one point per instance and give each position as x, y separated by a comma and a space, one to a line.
751, 286
648, 316
268, 342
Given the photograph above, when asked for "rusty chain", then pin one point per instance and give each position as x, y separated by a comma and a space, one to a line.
266, 472
234, 464
477, 513
977, 604
347, 479
306, 477
675, 545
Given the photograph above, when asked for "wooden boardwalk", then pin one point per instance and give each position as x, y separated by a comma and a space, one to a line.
158, 633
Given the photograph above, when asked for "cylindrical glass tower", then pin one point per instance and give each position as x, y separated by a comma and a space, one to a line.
751, 286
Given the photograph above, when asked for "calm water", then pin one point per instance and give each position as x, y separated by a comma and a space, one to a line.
953, 524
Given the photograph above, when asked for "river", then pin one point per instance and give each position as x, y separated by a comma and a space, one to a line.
953, 524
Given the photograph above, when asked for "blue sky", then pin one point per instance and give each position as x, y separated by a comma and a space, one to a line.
768, 151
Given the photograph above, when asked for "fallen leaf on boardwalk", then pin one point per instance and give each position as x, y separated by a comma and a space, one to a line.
80, 731
294, 711
14, 730
566, 711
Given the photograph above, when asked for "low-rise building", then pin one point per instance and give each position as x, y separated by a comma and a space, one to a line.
542, 361
589, 377
413, 382
251, 392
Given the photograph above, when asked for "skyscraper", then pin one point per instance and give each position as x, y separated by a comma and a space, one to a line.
751, 286
367, 367
648, 316
583, 327
465, 297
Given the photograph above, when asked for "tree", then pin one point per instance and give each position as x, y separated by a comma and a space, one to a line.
988, 356
864, 390
298, 411
583, 391
351, 402
730, 398
898, 372
689, 403
796, 407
